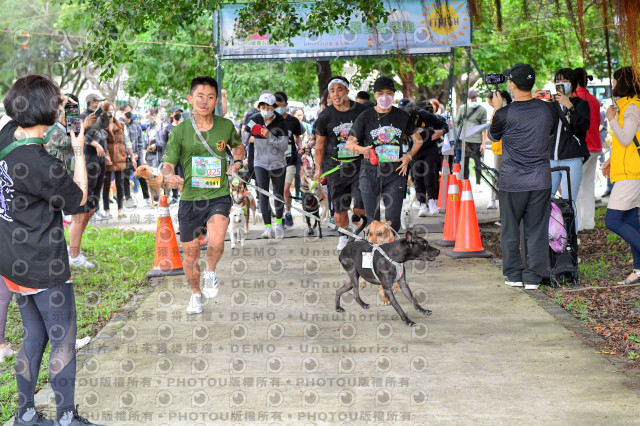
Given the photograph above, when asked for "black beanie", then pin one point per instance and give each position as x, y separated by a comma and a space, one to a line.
384, 83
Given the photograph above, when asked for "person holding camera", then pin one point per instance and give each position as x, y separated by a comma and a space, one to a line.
525, 176
34, 189
496, 148
623, 167
568, 146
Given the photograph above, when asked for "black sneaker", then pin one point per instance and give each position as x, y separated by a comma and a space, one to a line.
288, 220
173, 201
38, 419
72, 418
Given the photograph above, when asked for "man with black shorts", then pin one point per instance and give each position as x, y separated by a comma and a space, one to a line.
332, 130
200, 145
295, 147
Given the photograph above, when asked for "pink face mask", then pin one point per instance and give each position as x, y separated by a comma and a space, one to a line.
385, 102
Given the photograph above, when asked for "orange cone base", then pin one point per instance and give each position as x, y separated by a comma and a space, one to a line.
445, 243
164, 273
468, 254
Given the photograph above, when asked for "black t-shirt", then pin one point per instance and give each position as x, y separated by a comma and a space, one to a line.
385, 132
34, 189
295, 128
99, 136
335, 126
524, 128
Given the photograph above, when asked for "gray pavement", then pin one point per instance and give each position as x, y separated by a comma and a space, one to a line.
270, 349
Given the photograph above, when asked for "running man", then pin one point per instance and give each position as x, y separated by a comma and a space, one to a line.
384, 128
332, 130
200, 144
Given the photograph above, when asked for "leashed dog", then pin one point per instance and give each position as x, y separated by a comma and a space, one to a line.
241, 197
314, 203
380, 233
155, 182
401, 250
236, 220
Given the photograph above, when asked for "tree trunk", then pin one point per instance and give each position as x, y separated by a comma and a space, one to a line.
408, 79
324, 75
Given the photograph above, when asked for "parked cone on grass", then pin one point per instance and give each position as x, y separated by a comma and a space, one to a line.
444, 178
167, 258
468, 242
452, 215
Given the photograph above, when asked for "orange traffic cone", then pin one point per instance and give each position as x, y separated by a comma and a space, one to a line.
468, 242
456, 171
442, 194
167, 258
452, 215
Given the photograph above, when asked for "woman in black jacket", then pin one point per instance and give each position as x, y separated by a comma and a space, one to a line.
568, 146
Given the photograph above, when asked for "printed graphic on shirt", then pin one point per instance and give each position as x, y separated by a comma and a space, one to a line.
342, 134
221, 145
6, 191
386, 140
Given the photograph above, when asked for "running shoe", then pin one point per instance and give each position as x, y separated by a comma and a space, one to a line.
279, 231
72, 418
423, 210
210, 287
342, 242
195, 304
33, 418
80, 262
268, 233
433, 207
288, 220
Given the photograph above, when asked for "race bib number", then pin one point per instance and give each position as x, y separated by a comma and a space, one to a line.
206, 172
287, 153
344, 153
388, 153
367, 260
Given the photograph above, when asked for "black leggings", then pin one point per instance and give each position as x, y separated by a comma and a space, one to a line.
392, 188
48, 316
5, 299
277, 178
425, 176
119, 189
475, 148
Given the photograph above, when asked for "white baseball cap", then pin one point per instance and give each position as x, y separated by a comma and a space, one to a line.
267, 98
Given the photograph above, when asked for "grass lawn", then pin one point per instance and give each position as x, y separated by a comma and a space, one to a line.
122, 260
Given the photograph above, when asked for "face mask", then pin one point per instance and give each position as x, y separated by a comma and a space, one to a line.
110, 115
128, 115
162, 115
566, 86
266, 113
473, 104
177, 117
385, 102
282, 110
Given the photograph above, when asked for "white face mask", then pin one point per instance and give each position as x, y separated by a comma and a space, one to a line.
266, 113
473, 104
566, 86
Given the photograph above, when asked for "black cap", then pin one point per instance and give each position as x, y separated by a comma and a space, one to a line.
403, 102
384, 83
522, 76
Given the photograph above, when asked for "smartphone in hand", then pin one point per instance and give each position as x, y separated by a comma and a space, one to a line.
72, 115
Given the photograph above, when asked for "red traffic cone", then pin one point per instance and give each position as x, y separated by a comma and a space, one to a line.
452, 215
456, 171
167, 258
444, 188
468, 242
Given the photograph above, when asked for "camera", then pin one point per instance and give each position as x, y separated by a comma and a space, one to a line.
494, 78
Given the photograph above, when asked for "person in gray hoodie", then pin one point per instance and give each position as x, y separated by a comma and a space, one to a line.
271, 139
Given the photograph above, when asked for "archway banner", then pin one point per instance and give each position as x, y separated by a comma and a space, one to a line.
416, 27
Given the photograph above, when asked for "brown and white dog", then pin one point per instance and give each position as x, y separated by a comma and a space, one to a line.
380, 233
155, 182
240, 196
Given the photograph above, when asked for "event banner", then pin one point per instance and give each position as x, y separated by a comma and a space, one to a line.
417, 27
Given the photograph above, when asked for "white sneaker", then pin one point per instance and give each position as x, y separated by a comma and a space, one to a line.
210, 287
513, 283
195, 304
342, 241
6, 352
268, 233
81, 343
433, 207
279, 231
531, 286
423, 210
492, 205
80, 262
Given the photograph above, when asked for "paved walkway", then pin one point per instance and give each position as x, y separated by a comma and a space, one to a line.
270, 349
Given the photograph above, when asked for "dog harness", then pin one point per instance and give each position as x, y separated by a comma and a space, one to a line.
399, 266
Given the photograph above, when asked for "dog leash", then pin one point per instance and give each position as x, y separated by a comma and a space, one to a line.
328, 172
399, 266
